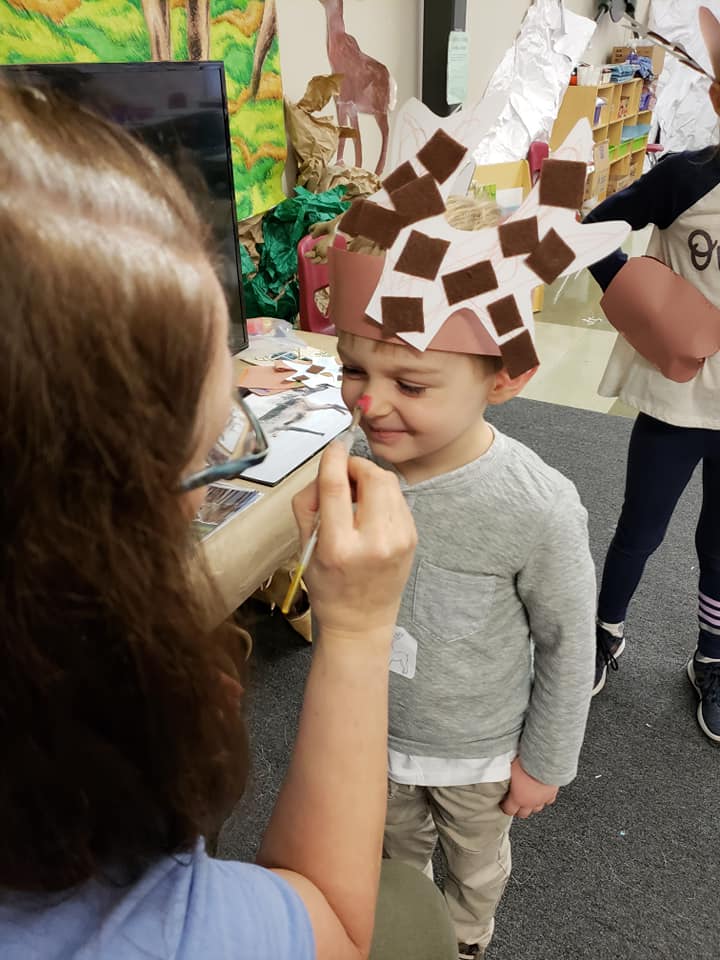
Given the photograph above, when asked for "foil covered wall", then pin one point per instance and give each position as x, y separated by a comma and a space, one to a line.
683, 111
533, 75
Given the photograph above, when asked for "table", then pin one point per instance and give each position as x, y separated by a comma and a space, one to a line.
247, 550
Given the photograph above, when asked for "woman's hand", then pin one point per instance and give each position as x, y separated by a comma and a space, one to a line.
363, 556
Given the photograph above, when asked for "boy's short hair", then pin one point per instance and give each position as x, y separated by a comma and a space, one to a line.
490, 364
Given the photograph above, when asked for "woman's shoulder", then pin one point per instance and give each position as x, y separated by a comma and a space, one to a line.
183, 907
234, 902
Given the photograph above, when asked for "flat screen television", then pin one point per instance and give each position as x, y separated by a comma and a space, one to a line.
180, 111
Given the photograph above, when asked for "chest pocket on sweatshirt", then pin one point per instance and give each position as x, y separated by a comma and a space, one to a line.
450, 605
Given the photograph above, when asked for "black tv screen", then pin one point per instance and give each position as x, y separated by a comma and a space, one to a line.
180, 111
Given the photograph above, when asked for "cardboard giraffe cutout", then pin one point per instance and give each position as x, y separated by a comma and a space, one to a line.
367, 85
441, 288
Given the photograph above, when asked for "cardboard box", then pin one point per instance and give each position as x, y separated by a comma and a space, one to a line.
636, 165
651, 50
616, 184
597, 184
601, 155
601, 182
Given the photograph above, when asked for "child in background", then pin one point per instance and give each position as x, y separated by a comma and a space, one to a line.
678, 424
491, 669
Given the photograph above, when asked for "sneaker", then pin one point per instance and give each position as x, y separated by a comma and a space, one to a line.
470, 951
705, 677
607, 649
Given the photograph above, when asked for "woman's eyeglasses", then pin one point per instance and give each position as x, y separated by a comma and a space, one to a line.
241, 445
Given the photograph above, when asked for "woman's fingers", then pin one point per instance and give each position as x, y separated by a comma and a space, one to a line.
332, 488
362, 558
334, 494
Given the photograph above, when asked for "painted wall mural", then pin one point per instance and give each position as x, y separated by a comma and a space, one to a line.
242, 33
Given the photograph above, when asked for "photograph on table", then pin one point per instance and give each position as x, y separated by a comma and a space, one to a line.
221, 504
297, 423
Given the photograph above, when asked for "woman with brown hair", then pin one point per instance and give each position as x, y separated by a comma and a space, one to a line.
121, 745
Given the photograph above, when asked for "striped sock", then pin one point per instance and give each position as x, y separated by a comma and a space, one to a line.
709, 623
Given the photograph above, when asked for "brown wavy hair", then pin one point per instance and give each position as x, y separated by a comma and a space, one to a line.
120, 739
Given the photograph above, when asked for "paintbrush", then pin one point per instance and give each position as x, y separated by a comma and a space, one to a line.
347, 439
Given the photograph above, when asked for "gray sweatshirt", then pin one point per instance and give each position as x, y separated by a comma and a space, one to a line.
495, 640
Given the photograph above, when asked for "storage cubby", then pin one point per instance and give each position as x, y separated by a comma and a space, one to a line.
618, 120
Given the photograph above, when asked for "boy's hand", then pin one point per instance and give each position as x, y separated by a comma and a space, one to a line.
526, 795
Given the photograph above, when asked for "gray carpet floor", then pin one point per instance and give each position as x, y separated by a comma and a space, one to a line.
625, 865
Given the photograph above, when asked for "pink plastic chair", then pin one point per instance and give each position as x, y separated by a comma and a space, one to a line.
311, 278
653, 151
538, 152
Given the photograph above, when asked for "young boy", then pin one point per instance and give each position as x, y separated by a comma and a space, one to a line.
493, 655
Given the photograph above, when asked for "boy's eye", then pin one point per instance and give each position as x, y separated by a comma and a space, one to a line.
351, 372
411, 389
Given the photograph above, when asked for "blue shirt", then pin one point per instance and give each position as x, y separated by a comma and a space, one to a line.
184, 908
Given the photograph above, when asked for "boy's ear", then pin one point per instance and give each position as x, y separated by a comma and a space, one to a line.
506, 387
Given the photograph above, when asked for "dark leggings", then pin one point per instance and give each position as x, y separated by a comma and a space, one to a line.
661, 460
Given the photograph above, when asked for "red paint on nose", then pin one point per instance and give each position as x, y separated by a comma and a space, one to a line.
364, 403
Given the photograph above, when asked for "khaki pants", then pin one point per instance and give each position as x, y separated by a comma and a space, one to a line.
474, 834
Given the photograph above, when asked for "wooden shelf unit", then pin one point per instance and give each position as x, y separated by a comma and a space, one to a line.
619, 114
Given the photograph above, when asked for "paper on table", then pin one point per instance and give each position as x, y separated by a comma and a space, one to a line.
265, 378
297, 424
315, 367
267, 351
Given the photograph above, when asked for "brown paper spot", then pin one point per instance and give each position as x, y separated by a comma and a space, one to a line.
441, 155
505, 315
518, 236
379, 224
519, 354
349, 220
551, 256
403, 174
315, 368
469, 282
402, 315
300, 378
562, 183
418, 200
422, 256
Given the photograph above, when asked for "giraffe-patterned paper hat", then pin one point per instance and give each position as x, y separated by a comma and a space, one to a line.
441, 288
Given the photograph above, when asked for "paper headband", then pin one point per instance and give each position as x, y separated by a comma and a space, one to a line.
462, 291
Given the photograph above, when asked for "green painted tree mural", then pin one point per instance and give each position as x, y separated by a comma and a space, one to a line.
240, 32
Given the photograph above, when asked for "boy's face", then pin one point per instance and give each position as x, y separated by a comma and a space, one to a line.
426, 409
